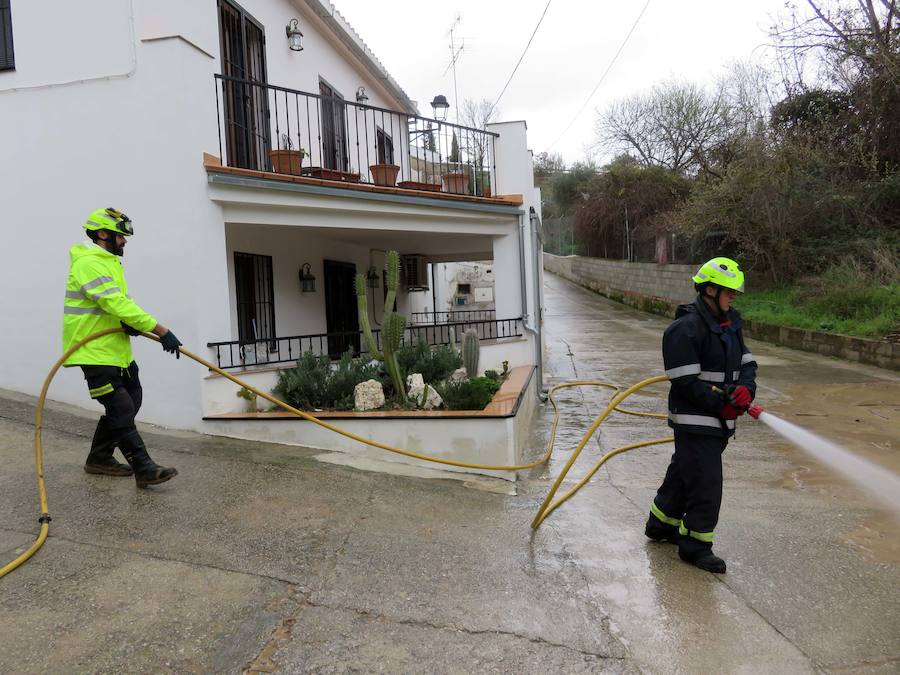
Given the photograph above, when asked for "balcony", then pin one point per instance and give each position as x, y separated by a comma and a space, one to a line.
302, 136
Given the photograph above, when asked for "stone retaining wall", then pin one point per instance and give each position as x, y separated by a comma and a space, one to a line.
661, 288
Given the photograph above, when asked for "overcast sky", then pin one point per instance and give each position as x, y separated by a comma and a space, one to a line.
689, 39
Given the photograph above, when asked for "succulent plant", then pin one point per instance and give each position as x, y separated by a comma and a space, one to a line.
470, 352
362, 309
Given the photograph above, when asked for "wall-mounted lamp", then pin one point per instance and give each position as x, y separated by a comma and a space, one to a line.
307, 280
361, 95
372, 277
295, 37
440, 107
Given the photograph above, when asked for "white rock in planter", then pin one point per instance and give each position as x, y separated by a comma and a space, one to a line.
458, 375
418, 390
368, 395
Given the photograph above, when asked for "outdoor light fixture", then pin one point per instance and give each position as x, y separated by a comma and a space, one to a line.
307, 280
440, 107
361, 95
372, 277
295, 37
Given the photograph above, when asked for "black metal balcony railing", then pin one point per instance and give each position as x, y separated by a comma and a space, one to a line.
269, 128
453, 316
272, 351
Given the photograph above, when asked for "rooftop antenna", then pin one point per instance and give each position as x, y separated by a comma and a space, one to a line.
454, 56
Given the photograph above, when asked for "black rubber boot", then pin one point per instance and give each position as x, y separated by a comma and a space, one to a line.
705, 559
100, 459
661, 532
146, 471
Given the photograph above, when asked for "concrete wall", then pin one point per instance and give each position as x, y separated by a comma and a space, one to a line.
660, 288
617, 278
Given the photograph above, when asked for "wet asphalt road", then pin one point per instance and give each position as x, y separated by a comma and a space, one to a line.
260, 557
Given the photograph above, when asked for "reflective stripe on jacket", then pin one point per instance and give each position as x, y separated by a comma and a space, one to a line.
698, 354
96, 299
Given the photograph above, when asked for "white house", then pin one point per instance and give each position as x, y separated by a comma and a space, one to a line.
171, 111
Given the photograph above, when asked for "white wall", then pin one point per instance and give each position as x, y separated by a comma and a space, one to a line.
122, 119
126, 125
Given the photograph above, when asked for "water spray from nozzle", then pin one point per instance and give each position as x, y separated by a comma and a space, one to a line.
878, 481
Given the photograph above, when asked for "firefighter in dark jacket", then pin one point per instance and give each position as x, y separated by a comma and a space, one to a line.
713, 381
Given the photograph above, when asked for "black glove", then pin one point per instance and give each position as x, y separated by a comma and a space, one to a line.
129, 330
170, 343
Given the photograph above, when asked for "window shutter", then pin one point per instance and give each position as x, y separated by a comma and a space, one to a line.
7, 61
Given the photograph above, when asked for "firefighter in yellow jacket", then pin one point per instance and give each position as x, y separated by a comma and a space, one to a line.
96, 299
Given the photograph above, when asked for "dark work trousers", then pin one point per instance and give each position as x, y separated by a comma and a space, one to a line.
119, 391
692, 489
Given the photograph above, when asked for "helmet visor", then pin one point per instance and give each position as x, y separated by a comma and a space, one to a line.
122, 223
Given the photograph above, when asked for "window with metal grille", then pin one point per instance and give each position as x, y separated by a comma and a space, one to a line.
255, 297
385, 147
7, 59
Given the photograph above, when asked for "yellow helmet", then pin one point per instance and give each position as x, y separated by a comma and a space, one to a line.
110, 219
723, 272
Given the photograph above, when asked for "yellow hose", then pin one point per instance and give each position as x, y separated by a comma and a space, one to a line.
543, 512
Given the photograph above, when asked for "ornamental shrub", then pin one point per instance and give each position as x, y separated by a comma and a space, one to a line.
317, 383
471, 394
434, 363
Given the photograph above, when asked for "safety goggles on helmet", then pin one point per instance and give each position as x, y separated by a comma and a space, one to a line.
110, 219
723, 272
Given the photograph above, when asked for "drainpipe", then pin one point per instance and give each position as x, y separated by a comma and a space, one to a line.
526, 317
537, 244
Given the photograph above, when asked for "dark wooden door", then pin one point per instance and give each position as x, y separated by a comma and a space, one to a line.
340, 307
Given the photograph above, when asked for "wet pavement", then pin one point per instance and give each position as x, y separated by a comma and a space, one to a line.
260, 557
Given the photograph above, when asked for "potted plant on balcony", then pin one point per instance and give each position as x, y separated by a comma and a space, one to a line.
455, 182
384, 174
286, 159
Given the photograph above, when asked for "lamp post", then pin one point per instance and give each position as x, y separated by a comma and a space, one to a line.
440, 106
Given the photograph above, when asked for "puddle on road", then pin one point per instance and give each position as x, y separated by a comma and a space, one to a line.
864, 418
877, 539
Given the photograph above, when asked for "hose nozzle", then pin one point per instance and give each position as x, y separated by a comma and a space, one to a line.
755, 411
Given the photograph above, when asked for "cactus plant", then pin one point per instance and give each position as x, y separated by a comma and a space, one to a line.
470, 348
392, 335
362, 309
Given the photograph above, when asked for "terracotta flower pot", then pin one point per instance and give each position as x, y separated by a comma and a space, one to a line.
455, 183
384, 174
287, 161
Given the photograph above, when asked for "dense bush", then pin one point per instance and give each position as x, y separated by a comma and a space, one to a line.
317, 383
434, 363
471, 394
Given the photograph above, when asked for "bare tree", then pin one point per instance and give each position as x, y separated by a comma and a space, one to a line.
677, 126
476, 115
857, 45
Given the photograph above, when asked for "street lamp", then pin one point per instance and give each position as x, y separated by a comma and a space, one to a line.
440, 107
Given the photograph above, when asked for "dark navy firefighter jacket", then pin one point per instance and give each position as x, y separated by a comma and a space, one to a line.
698, 354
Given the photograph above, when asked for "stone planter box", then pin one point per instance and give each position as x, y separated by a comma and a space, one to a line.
497, 435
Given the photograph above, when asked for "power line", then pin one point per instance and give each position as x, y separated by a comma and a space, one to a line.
603, 77
497, 100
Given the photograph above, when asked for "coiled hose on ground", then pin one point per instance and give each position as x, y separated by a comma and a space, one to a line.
546, 508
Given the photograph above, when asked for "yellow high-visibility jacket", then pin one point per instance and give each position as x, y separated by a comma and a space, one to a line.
97, 298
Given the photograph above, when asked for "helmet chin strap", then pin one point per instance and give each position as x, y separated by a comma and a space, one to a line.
719, 315
111, 245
